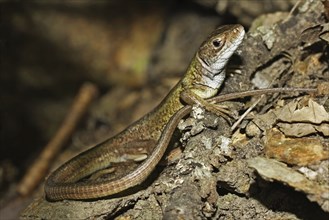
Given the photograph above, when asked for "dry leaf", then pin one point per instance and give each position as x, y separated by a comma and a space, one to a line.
313, 113
303, 129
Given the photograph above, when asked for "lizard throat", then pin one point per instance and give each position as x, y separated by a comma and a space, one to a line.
209, 77
214, 82
205, 65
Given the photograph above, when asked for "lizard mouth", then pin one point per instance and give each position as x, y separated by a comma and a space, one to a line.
237, 36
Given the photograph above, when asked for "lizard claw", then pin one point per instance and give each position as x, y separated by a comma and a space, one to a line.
220, 110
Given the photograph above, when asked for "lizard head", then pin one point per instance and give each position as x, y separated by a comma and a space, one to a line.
219, 47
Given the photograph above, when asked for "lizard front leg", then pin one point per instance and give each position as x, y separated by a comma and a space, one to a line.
191, 98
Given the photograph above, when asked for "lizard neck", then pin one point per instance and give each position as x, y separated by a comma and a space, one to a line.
201, 80
209, 78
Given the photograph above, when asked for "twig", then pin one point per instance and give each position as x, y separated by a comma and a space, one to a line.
262, 92
236, 95
246, 113
294, 8
40, 167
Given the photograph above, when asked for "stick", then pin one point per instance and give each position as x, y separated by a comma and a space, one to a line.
40, 167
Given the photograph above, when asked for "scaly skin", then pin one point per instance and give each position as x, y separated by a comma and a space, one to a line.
201, 81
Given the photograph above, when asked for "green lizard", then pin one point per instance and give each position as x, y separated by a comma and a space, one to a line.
201, 81
153, 132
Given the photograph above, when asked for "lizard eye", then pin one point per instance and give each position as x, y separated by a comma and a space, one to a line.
217, 43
